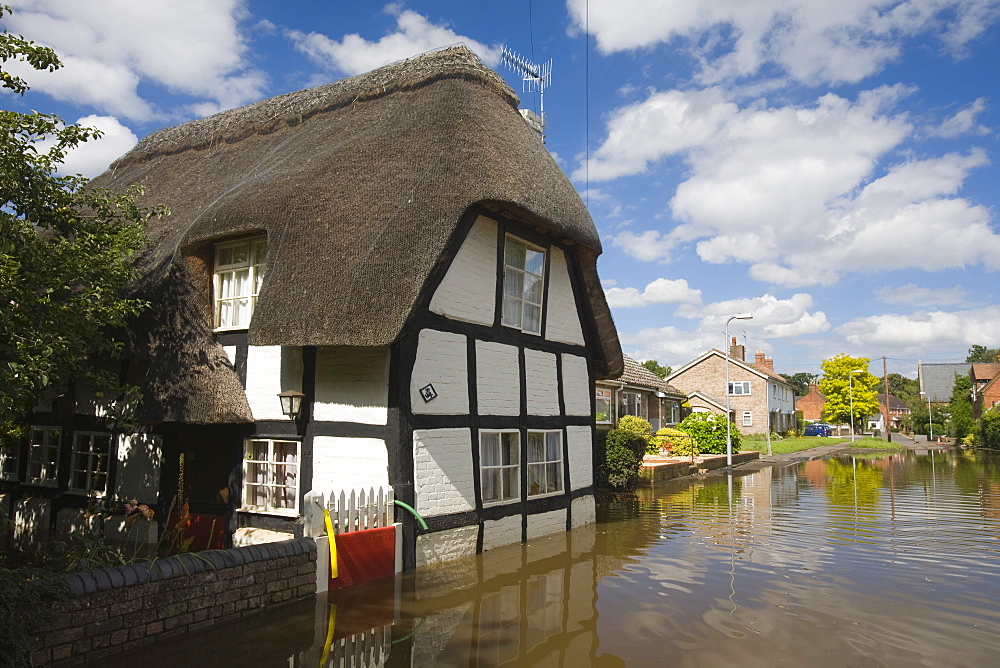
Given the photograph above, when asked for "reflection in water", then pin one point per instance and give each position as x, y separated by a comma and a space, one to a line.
875, 560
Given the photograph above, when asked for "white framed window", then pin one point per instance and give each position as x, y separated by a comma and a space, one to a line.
271, 476
88, 473
631, 403
739, 387
43, 455
747, 418
671, 411
9, 458
239, 272
500, 466
523, 285
602, 406
545, 463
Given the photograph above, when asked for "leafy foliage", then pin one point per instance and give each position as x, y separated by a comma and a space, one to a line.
905, 389
624, 451
657, 368
638, 426
709, 432
800, 381
839, 385
677, 442
960, 422
65, 253
989, 430
978, 353
26, 598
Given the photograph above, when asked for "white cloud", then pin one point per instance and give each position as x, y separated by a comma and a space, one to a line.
925, 333
93, 157
414, 35
812, 42
964, 121
795, 191
189, 47
917, 296
660, 291
772, 317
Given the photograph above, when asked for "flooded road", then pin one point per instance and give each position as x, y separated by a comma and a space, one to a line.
850, 561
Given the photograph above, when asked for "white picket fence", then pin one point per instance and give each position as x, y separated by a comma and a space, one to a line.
361, 510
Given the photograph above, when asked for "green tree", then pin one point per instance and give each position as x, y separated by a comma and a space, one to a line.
65, 253
709, 432
978, 353
905, 389
960, 422
837, 383
657, 368
800, 381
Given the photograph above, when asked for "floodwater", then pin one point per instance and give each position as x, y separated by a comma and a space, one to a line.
852, 561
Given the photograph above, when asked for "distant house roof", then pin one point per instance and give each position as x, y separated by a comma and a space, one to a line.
895, 403
938, 380
982, 372
637, 374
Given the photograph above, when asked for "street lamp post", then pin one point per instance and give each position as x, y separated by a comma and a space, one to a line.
725, 351
850, 384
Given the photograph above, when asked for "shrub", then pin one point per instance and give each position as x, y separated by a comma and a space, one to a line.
26, 597
639, 427
680, 443
623, 455
709, 431
671, 439
989, 431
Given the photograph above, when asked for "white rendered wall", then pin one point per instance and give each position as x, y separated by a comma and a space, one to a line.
442, 471
352, 384
504, 531
579, 450
498, 379
230, 353
349, 463
271, 370
433, 548
584, 511
541, 382
442, 361
543, 524
140, 457
576, 386
468, 290
562, 320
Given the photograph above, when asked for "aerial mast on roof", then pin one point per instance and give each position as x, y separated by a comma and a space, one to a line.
534, 79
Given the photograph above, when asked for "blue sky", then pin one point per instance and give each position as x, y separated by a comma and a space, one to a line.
830, 167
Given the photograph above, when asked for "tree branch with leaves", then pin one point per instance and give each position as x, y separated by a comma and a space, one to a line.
838, 385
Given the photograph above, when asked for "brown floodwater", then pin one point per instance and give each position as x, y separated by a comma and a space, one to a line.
852, 561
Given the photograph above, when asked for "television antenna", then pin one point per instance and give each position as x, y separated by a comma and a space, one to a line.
534, 79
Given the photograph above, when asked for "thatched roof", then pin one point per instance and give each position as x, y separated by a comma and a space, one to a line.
359, 186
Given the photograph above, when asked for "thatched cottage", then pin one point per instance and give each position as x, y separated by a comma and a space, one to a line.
400, 248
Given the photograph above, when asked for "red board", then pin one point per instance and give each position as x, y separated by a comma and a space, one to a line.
363, 556
208, 531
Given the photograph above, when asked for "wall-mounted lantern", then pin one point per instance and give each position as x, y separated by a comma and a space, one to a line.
291, 403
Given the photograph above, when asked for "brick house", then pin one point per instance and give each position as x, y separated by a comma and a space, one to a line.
759, 398
895, 409
640, 392
811, 405
985, 393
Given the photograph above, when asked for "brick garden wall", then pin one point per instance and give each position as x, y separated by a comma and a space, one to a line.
113, 610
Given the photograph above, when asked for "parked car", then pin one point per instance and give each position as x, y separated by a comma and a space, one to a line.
818, 429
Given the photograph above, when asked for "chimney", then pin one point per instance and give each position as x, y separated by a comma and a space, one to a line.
737, 352
763, 361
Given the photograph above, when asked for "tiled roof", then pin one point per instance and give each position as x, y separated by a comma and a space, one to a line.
937, 380
637, 374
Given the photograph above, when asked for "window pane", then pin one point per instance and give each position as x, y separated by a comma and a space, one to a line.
536, 447
490, 449
553, 475
533, 288
534, 261
510, 486
512, 311
532, 318
511, 448
552, 443
513, 283
536, 480
514, 252
491, 484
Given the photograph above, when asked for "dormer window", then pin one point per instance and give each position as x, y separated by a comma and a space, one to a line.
523, 271
239, 272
